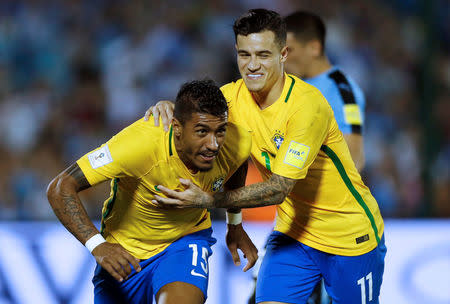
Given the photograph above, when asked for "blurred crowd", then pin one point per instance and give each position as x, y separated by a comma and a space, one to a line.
73, 73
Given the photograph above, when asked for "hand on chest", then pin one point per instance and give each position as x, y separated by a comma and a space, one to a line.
169, 176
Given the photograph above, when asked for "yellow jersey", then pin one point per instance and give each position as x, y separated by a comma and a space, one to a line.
139, 158
330, 208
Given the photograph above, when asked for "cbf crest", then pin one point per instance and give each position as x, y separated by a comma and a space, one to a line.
217, 184
278, 138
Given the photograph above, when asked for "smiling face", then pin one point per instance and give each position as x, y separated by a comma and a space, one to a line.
199, 140
260, 60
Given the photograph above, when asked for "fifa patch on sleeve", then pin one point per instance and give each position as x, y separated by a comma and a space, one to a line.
296, 154
352, 114
100, 157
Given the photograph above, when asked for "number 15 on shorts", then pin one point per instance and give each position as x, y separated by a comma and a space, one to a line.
203, 262
362, 283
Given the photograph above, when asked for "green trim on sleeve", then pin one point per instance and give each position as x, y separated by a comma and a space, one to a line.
109, 204
337, 162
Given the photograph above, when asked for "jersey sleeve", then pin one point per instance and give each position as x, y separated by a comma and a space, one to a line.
353, 111
347, 101
353, 118
228, 91
306, 130
243, 144
125, 155
348, 115
360, 101
236, 149
338, 107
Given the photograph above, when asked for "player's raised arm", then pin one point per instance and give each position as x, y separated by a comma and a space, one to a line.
62, 193
163, 108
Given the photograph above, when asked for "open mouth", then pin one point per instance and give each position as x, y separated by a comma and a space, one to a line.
207, 157
255, 76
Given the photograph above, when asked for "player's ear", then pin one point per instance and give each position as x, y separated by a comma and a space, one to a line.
177, 127
284, 53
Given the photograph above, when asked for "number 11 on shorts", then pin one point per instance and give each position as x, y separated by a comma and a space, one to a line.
362, 282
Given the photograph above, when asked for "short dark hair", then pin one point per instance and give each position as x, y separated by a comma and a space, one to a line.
199, 96
306, 26
259, 20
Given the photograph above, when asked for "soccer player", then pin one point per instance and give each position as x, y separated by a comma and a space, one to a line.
168, 248
307, 60
328, 223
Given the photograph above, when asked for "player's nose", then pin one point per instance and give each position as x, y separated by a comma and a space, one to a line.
212, 144
253, 64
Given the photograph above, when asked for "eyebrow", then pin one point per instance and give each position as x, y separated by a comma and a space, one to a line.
207, 127
263, 52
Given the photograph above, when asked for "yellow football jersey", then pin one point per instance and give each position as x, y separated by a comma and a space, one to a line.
138, 159
330, 208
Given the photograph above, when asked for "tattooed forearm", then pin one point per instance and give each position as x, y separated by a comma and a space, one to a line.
75, 171
62, 195
271, 192
74, 217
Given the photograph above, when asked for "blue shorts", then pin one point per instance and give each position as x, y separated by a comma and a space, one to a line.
290, 270
185, 260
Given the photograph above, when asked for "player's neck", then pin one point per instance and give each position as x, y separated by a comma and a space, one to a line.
318, 66
187, 163
266, 98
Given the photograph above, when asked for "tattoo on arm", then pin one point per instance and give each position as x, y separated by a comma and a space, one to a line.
75, 171
63, 196
271, 192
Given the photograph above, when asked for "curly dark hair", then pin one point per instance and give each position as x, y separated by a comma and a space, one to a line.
306, 26
259, 20
199, 96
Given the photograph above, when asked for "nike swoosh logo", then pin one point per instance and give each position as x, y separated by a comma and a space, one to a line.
197, 274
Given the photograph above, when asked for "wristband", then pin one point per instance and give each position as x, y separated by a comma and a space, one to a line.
94, 242
234, 218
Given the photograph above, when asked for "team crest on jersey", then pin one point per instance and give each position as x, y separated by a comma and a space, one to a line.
217, 184
278, 139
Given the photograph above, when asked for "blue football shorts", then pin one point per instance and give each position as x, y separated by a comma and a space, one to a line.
185, 260
290, 270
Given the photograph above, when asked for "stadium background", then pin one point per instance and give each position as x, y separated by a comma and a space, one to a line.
73, 73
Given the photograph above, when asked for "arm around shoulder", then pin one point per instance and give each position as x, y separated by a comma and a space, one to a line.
270, 192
